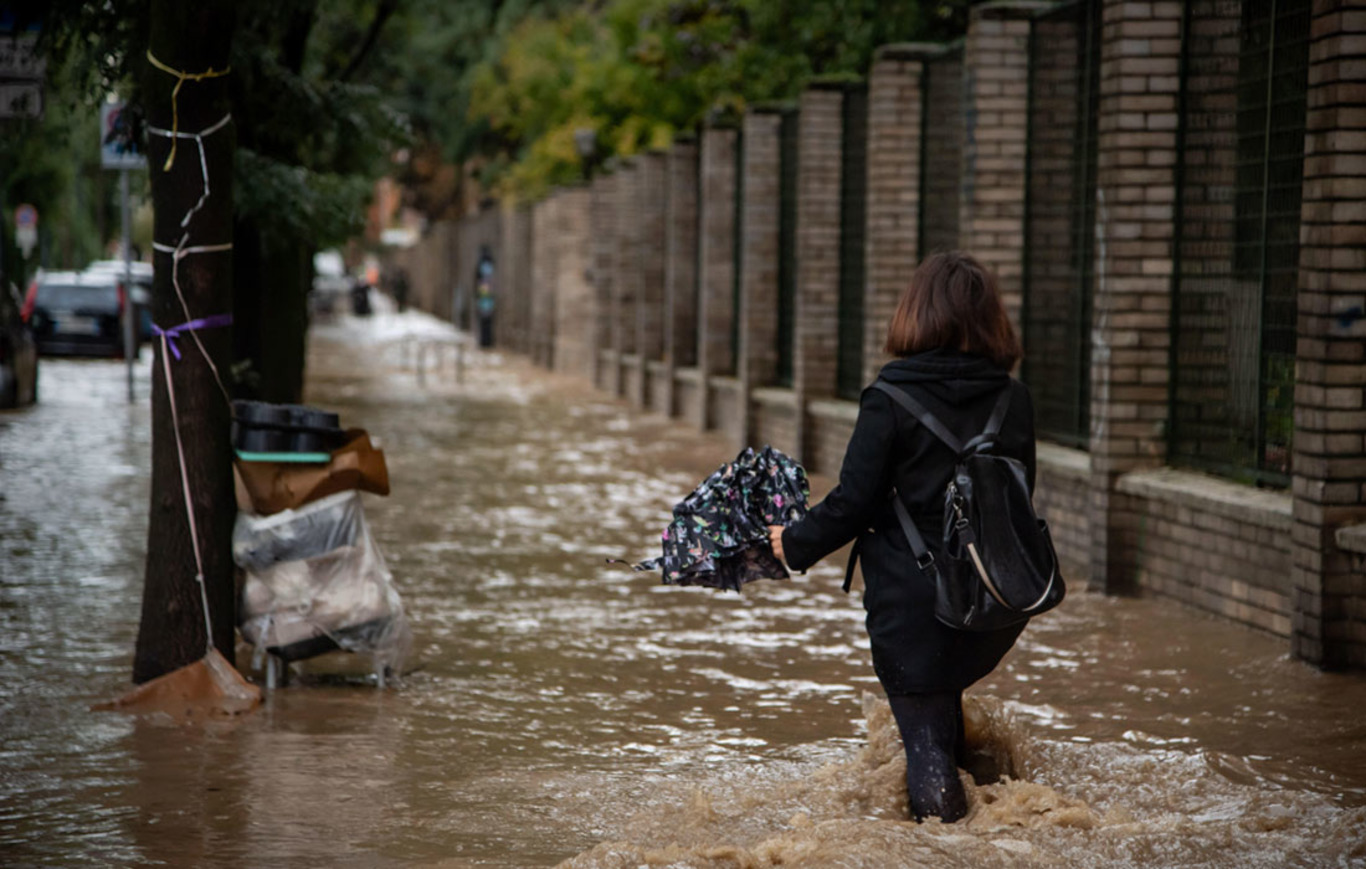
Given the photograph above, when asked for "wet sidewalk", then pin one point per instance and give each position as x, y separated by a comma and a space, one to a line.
558, 702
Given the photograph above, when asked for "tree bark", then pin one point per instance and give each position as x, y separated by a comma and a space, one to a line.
191, 37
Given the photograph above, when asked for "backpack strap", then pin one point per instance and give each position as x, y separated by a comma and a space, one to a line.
925, 418
939, 430
998, 416
924, 559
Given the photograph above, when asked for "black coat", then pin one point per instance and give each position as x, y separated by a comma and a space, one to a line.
912, 651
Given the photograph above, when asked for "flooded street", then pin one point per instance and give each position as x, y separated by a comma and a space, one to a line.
560, 708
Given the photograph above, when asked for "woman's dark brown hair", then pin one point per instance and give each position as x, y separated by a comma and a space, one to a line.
953, 302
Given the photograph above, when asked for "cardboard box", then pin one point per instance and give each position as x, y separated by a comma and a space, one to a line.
269, 487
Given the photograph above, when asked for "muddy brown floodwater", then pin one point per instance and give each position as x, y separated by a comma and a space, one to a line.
564, 710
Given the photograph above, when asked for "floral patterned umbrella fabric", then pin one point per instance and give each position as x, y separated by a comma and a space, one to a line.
719, 534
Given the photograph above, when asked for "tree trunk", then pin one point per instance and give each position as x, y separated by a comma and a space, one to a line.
193, 38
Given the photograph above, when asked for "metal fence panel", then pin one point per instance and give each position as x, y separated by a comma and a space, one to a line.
853, 236
941, 152
787, 245
1242, 156
1059, 268
738, 247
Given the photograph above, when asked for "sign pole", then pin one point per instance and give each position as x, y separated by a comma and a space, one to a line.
130, 345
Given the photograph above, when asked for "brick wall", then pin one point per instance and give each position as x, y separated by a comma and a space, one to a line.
894, 146
774, 418
1062, 491
830, 424
632, 376
1212, 544
689, 396
1330, 385
659, 387
724, 398
1290, 563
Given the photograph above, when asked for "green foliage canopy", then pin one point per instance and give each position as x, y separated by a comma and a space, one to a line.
638, 71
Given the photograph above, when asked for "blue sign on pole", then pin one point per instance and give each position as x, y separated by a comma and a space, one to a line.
118, 148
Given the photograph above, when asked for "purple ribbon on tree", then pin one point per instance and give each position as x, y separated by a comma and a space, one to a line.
192, 326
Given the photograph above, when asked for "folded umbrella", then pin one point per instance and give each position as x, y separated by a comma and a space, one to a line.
719, 534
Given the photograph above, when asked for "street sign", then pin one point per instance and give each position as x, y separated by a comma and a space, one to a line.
22, 99
26, 228
118, 149
21, 76
19, 58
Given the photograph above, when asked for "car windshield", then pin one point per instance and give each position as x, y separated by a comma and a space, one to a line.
69, 297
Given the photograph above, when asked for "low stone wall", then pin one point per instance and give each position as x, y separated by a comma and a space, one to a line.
830, 425
774, 416
725, 396
608, 377
688, 395
1347, 626
1215, 545
658, 393
630, 376
1062, 489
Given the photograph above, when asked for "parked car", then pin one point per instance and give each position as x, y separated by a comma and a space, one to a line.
18, 352
140, 291
76, 314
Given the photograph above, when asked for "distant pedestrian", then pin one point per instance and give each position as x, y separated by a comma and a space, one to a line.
400, 287
484, 295
954, 349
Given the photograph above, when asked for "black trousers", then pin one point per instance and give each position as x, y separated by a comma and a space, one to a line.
931, 728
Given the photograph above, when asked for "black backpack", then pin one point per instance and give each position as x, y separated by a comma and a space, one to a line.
997, 566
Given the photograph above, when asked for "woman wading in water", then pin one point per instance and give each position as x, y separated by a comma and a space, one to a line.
954, 348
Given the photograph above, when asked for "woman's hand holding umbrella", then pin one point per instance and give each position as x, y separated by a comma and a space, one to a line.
775, 539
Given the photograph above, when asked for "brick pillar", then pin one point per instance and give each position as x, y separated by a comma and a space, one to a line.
995, 117
895, 110
652, 193
1140, 58
524, 277
603, 267
575, 302
758, 364
716, 256
1329, 486
680, 261
543, 267
626, 283
816, 316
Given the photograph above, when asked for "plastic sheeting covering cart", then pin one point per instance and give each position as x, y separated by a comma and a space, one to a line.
316, 581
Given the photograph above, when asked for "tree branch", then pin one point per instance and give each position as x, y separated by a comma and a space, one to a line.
386, 8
